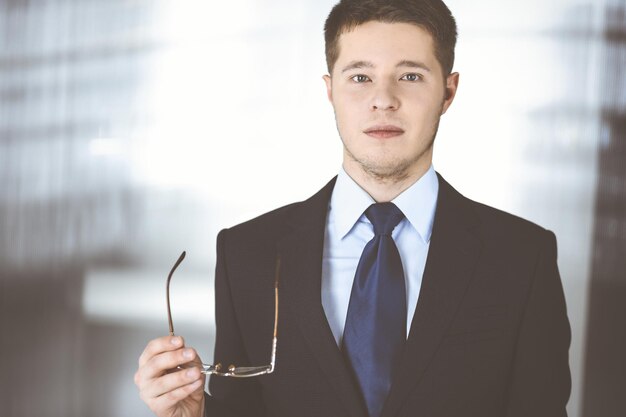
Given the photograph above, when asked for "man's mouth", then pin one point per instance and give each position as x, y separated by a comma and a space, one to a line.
383, 131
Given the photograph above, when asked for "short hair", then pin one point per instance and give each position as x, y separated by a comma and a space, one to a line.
431, 15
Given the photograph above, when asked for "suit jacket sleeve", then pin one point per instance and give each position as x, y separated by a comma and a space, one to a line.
229, 396
540, 384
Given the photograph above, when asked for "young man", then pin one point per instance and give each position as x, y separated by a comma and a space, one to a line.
433, 305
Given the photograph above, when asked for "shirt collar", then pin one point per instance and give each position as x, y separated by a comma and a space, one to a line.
418, 203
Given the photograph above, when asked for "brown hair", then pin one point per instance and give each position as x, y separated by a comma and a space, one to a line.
431, 15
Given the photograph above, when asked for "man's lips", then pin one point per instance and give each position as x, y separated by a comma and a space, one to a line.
383, 131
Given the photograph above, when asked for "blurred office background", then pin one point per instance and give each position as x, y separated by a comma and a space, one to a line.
131, 130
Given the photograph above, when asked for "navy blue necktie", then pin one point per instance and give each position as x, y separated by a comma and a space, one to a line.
375, 329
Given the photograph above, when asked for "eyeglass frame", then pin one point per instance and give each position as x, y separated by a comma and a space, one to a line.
232, 371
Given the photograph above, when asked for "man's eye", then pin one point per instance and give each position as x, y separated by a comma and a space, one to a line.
360, 78
411, 77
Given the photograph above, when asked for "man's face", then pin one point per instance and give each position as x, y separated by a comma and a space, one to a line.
388, 92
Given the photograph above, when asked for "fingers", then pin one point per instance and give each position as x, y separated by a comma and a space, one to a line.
172, 382
166, 362
160, 345
170, 399
187, 396
162, 384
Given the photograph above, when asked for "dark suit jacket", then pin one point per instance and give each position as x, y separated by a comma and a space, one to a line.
489, 337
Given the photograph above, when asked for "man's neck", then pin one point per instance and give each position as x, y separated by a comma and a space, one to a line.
384, 189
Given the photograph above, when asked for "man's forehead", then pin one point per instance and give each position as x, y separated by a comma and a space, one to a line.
370, 25
399, 44
375, 32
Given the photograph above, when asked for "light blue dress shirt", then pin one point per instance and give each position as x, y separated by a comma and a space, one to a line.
348, 230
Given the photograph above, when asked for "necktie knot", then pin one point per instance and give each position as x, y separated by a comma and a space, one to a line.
384, 217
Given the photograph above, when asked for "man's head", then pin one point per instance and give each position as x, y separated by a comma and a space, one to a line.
389, 83
431, 15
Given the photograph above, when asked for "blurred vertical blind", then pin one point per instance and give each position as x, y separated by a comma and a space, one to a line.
70, 72
605, 366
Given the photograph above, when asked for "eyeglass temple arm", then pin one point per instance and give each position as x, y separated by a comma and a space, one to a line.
167, 291
274, 340
276, 276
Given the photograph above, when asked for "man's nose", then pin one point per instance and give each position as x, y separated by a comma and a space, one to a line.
384, 98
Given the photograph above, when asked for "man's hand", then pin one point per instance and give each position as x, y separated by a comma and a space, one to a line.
171, 392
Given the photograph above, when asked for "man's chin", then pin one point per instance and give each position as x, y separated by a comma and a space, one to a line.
392, 171
385, 167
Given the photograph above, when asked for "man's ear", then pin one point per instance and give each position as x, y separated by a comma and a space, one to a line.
452, 84
329, 87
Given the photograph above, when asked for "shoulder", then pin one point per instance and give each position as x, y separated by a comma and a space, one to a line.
513, 237
500, 223
273, 225
496, 227
267, 224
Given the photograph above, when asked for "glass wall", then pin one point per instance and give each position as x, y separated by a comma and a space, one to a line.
133, 130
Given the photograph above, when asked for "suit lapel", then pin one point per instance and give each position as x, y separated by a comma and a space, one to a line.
301, 252
452, 256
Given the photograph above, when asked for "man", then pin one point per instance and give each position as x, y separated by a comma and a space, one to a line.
476, 323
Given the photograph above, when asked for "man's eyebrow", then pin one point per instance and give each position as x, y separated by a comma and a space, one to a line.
367, 64
413, 64
356, 65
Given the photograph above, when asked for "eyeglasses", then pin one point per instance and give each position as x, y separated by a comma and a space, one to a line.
232, 370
